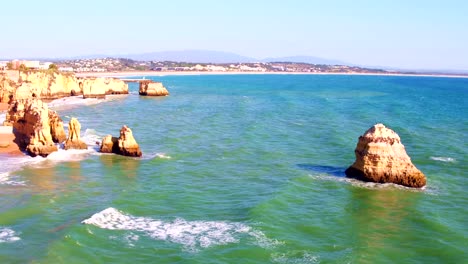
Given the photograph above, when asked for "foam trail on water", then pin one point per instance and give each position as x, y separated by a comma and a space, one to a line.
6, 179
363, 184
155, 155
8, 235
443, 159
191, 234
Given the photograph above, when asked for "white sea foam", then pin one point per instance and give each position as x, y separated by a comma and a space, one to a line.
443, 159
73, 101
8, 235
69, 155
7, 179
363, 184
155, 155
193, 235
295, 257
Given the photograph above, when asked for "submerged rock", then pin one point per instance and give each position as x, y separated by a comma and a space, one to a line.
74, 140
380, 157
125, 145
151, 88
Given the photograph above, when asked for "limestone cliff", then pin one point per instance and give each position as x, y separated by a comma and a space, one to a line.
100, 87
48, 85
124, 145
30, 120
74, 139
382, 158
7, 89
151, 88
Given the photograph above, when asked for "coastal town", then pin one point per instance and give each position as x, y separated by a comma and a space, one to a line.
127, 65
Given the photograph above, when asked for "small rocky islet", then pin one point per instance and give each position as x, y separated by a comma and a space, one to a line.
380, 155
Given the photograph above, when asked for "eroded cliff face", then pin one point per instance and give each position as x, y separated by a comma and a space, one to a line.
74, 139
125, 145
151, 88
7, 89
382, 158
30, 121
49, 85
100, 87
53, 85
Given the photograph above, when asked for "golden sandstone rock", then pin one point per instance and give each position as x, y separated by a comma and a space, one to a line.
151, 88
74, 139
56, 127
53, 85
30, 120
380, 157
124, 145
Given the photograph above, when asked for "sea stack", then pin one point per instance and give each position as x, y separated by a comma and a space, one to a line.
74, 140
151, 88
125, 145
56, 127
382, 158
30, 121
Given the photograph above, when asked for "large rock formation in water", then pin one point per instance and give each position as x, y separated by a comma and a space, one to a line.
151, 88
380, 157
74, 139
30, 121
48, 85
124, 145
56, 127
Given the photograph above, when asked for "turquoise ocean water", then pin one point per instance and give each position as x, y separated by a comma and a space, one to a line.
246, 169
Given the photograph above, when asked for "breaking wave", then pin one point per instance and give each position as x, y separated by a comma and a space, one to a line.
8, 235
193, 235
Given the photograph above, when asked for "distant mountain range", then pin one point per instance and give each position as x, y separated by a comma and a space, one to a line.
208, 56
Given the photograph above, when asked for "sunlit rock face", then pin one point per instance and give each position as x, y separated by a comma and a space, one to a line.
382, 158
74, 139
151, 88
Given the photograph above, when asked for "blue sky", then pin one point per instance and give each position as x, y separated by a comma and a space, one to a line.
400, 33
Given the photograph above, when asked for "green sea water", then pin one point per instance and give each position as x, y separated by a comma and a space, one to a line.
246, 169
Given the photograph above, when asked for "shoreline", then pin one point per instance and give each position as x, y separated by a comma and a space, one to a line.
8, 145
190, 73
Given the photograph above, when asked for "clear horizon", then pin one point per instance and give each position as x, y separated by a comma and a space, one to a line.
416, 35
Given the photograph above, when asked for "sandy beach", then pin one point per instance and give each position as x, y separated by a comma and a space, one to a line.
182, 73
7, 144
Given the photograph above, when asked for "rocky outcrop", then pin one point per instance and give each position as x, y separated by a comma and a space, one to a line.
151, 88
74, 140
100, 87
381, 157
30, 121
109, 144
56, 127
124, 145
